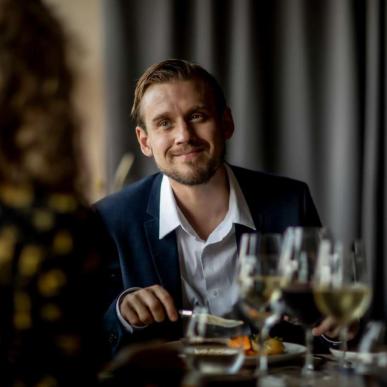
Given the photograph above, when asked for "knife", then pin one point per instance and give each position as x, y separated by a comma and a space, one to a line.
212, 319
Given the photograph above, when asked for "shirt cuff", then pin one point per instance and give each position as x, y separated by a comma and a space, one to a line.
129, 328
330, 341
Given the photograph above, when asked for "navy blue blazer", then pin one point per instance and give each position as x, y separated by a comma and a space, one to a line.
131, 218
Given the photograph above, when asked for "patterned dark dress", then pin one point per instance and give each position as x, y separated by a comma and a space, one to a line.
49, 280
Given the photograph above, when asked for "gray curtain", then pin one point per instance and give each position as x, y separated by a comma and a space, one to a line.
306, 81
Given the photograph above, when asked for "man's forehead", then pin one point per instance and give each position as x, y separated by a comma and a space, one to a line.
160, 95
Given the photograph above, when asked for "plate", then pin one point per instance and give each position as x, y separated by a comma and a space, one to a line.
292, 351
365, 357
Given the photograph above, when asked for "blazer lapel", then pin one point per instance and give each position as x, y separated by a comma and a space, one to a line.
163, 251
252, 201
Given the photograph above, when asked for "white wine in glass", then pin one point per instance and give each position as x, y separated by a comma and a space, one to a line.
345, 304
342, 289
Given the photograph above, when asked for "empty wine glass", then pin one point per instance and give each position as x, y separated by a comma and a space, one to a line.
297, 264
342, 286
212, 344
372, 349
259, 284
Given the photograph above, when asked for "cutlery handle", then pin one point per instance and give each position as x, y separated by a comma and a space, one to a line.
185, 313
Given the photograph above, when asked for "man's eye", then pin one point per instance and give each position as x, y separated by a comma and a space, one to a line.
164, 123
197, 117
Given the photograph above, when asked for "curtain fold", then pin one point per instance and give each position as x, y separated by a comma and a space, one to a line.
374, 214
306, 82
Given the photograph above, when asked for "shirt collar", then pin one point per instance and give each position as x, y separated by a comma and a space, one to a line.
238, 210
171, 216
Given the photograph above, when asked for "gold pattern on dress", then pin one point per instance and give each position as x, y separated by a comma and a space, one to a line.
62, 203
47, 381
22, 320
7, 246
69, 344
51, 282
43, 220
51, 312
6, 250
16, 196
63, 242
9, 232
22, 317
30, 258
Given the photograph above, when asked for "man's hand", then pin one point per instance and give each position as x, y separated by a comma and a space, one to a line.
329, 328
148, 305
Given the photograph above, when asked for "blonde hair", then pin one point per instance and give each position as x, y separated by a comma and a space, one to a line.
171, 70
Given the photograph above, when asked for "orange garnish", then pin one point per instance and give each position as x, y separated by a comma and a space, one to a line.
239, 341
272, 346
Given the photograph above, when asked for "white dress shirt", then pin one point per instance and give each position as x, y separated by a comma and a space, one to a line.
208, 268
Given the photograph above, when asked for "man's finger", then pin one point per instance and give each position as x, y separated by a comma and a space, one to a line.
334, 332
166, 300
135, 311
326, 325
153, 304
130, 315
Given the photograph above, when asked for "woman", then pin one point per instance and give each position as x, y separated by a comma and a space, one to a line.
49, 271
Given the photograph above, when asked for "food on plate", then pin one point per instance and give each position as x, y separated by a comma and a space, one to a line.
272, 346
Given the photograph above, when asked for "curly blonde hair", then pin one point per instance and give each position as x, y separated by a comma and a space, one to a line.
38, 125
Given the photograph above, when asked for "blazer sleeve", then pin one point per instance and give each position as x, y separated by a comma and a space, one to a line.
116, 334
113, 286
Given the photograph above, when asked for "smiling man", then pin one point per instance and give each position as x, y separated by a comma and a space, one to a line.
176, 233
183, 130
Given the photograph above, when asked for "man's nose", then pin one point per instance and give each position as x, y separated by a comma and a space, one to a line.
184, 132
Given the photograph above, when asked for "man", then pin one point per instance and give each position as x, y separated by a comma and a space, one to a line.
177, 232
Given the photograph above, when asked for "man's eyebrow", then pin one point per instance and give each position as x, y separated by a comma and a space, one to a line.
200, 107
165, 115
160, 116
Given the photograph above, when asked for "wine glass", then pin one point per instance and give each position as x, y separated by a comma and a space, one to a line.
297, 264
259, 285
342, 287
213, 344
372, 349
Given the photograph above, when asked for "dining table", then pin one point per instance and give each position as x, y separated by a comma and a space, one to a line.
290, 374
159, 364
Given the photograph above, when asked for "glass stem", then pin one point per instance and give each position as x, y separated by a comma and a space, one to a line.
308, 366
261, 368
263, 357
344, 346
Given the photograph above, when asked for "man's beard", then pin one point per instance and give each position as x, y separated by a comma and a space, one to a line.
199, 174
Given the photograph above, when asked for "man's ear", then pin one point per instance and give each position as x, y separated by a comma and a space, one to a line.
228, 124
143, 140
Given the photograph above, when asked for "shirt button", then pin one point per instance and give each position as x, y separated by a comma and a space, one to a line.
215, 293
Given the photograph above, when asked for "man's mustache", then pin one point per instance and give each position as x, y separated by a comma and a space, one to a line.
187, 149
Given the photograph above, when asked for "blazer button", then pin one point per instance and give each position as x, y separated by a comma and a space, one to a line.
112, 338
